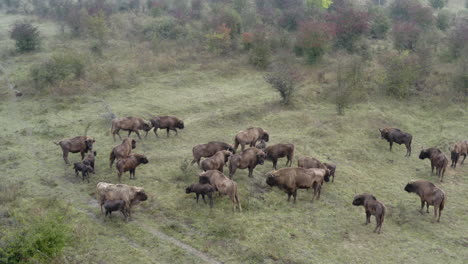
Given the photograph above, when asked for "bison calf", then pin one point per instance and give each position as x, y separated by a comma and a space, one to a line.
115, 205
90, 159
84, 168
201, 189
429, 194
372, 207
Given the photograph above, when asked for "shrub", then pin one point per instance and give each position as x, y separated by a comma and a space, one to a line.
26, 36
458, 38
230, 18
164, 28
460, 82
97, 27
350, 25
401, 74
444, 19
260, 52
284, 78
405, 35
349, 76
61, 67
290, 18
313, 39
437, 4
380, 24
219, 42
412, 11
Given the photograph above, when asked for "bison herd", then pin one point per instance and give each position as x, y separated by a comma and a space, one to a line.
310, 173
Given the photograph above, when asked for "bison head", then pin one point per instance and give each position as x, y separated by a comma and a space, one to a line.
89, 143
203, 179
361, 198
327, 175
271, 179
261, 157
410, 187
383, 133
180, 124
146, 127
231, 149
133, 144
227, 154
265, 136
424, 154
141, 196
454, 155
143, 159
188, 189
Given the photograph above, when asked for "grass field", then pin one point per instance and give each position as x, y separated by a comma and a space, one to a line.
269, 230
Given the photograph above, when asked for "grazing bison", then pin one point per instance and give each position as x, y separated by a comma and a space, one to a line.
438, 160
372, 207
429, 194
129, 164
262, 145
291, 179
202, 189
130, 124
115, 205
248, 158
84, 168
81, 144
223, 185
250, 137
308, 163
166, 122
397, 136
332, 168
217, 161
209, 149
90, 159
277, 151
458, 149
122, 151
131, 195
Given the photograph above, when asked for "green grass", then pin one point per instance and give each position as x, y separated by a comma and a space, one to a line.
269, 230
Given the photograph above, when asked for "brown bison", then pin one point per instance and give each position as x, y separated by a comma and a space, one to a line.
223, 185
397, 136
332, 168
115, 205
217, 161
291, 179
129, 164
208, 150
250, 137
248, 158
438, 160
429, 194
202, 189
274, 152
123, 150
262, 145
81, 144
372, 207
458, 149
166, 122
130, 194
130, 124
90, 159
308, 163
85, 170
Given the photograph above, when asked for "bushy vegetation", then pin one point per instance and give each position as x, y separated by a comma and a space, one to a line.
26, 36
349, 82
60, 67
284, 78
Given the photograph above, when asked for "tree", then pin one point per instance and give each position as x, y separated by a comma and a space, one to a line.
314, 38
284, 78
405, 35
26, 36
349, 76
350, 25
437, 4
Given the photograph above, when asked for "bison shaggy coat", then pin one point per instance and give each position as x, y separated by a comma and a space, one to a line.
130, 194
250, 137
122, 150
84, 168
202, 189
129, 164
166, 122
372, 207
247, 159
397, 136
429, 195
130, 124
223, 185
217, 161
458, 149
438, 160
208, 150
81, 144
274, 152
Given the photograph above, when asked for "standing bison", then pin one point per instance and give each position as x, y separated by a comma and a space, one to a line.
122, 151
130, 124
166, 122
372, 207
429, 194
247, 159
223, 185
217, 161
209, 149
274, 152
81, 144
438, 160
458, 149
308, 163
250, 137
129, 164
397, 136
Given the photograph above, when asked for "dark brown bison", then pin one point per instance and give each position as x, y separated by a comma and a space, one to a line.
202, 189
166, 122
274, 152
115, 205
458, 149
130, 124
372, 207
223, 185
438, 160
90, 160
129, 164
81, 144
429, 194
130, 194
123, 150
250, 137
247, 159
291, 179
217, 161
262, 145
208, 150
397, 136
332, 168
85, 170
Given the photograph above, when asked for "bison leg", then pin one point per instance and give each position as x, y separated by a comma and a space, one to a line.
138, 134
436, 207
391, 145
422, 206
368, 215
155, 132
198, 196
295, 195
175, 131
427, 207
251, 172
65, 157
464, 157
203, 196
274, 163
408, 152
289, 196
432, 167
76, 173
210, 197
167, 131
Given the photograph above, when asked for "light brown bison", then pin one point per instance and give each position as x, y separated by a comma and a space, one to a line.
250, 137
217, 161
308, 163
429, 194
223, 185
209, 149
372, 207
166, 122
81, 144
274, 152
129, 164
130, 194
458, 149
123, 150
438, 160
396, 135
130, 124
291, 179
247, 159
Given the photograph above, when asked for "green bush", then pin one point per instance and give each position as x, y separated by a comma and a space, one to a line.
349, 82
26, 36
260, 51
380, 23
401, 73
444, 19
229, 17
61, 67
164, 28
437, 4
284, 78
